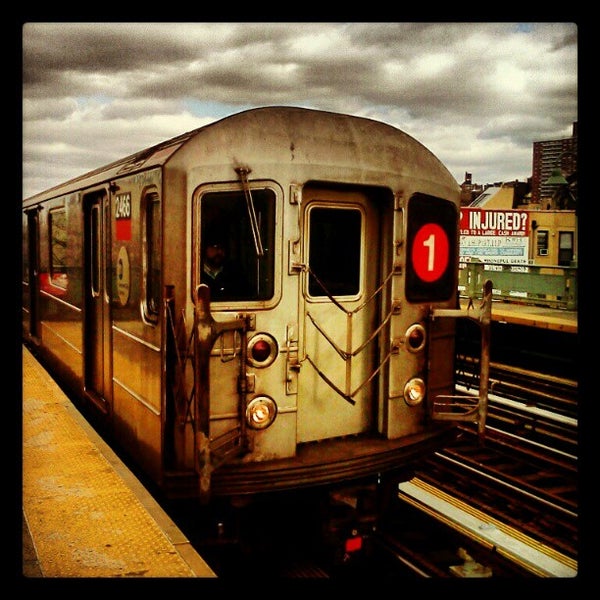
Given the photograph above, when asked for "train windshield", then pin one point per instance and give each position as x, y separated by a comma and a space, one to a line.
230, 264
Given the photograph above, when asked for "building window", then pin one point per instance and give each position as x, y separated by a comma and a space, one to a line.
565, 248
542, 242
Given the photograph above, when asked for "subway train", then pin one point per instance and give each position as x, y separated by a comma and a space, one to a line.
267, 303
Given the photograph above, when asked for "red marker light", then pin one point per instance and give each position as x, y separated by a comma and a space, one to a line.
261, 351
416, 338
353, 544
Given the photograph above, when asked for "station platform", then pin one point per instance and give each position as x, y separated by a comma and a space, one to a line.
84, 513
532, 316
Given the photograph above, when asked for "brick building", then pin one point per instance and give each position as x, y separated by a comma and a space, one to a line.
548, 155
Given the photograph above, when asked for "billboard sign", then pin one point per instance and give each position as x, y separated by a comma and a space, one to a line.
494, 236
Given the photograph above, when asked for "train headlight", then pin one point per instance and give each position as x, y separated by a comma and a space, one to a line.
414, 391
262, 350
415, 338
261, 412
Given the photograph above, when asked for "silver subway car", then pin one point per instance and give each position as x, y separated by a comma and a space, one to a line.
265, 303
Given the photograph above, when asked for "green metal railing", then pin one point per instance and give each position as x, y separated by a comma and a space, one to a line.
551, 286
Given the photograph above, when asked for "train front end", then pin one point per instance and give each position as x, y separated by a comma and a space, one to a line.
329, 357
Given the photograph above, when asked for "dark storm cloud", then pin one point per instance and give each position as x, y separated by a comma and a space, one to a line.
477, 94
104, 46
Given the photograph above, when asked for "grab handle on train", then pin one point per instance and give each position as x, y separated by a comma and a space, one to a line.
465, 408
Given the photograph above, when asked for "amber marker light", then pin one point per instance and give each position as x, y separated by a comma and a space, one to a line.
414, 391
261, 412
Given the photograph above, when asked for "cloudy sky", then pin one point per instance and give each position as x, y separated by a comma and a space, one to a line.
476, 94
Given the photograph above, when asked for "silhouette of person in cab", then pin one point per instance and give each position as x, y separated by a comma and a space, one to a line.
223, 276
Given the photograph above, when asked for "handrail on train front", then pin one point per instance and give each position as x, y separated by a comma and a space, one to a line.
462, 408
206, 331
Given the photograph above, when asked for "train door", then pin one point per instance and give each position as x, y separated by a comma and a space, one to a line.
338, 349
31, 270
96, 301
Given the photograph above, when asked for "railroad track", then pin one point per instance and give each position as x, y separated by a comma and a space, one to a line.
441, 536
509, 504
525, 471
546, 392
512, 500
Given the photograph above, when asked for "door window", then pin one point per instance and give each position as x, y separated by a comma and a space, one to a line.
565, 248
334, 251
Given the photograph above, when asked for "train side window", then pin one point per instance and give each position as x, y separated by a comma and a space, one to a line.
334, 251
25, 246
57, 226
151, 254
230, 230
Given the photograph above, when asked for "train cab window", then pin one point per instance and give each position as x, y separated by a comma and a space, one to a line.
334, 251
237, 244
57, 226
152, 264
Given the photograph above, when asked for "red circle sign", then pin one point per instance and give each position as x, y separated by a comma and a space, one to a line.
430, 252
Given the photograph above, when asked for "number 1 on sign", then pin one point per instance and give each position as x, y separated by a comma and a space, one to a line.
430, 243
430, 252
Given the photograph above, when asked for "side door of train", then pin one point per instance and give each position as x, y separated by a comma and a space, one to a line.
337, 387
31, 267
96, 326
